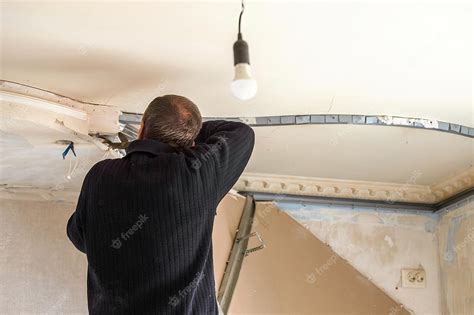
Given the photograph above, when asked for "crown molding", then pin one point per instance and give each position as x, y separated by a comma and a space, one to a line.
302, 186
366, 190
453, 185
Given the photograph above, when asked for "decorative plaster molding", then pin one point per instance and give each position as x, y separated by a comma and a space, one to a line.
323, 187
98, 118
453, 185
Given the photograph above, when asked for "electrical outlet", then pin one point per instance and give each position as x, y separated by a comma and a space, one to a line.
413, 278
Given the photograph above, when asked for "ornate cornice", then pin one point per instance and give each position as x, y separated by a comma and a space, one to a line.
387, 192
453, 185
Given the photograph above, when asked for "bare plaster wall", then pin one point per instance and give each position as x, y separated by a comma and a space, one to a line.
298, 274
379, 244
226, 224
456, 256
40, 270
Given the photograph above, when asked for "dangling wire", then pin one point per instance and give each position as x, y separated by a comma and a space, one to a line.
72, 170
240, 17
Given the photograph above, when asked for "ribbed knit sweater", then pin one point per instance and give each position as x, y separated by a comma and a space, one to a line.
145, 222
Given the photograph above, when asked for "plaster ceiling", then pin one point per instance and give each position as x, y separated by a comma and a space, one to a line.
31, 158
361, 153
395, 58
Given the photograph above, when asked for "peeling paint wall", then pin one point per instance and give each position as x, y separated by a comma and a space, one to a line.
456, 255
379, 244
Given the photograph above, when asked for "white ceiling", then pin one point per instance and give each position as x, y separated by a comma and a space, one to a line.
365, 153
391, 58
395, 58
30, 157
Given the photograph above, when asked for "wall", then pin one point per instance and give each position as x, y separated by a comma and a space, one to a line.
456, 255
42, 272
226, 224
379, 244
298, 274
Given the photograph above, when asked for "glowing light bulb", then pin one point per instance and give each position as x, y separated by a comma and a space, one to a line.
244, 86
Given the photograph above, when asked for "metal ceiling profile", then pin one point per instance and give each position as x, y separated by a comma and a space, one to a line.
341, 119
377, 205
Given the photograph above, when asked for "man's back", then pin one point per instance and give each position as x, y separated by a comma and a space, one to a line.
145, 222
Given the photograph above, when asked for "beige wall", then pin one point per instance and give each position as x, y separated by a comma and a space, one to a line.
298, 274
456, 256
379, 244
42, 272
226, 223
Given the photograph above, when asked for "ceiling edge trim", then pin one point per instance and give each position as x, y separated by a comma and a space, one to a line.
350, 189
453, 185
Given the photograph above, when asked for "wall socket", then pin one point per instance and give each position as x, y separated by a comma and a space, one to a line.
413, 278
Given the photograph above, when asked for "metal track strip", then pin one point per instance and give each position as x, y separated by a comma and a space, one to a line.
309, 119
361, 203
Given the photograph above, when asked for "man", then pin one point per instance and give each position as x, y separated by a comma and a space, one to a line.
145, 220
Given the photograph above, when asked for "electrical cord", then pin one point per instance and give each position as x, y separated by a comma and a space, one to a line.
240, 18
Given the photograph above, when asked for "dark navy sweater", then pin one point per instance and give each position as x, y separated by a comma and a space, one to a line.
145, 222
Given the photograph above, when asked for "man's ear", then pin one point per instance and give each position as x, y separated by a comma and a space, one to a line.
141, 131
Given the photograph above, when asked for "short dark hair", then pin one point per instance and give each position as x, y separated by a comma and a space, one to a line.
172, 119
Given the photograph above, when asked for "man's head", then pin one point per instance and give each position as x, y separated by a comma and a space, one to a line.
171, 119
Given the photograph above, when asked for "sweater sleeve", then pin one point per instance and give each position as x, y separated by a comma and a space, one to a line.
75, 228
228, 145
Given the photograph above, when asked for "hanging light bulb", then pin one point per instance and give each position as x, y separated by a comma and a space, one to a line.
244, 86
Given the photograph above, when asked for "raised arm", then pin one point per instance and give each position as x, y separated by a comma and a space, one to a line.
228, 145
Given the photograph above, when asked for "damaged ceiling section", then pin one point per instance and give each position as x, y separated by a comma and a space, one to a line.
330, 160
49, 141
